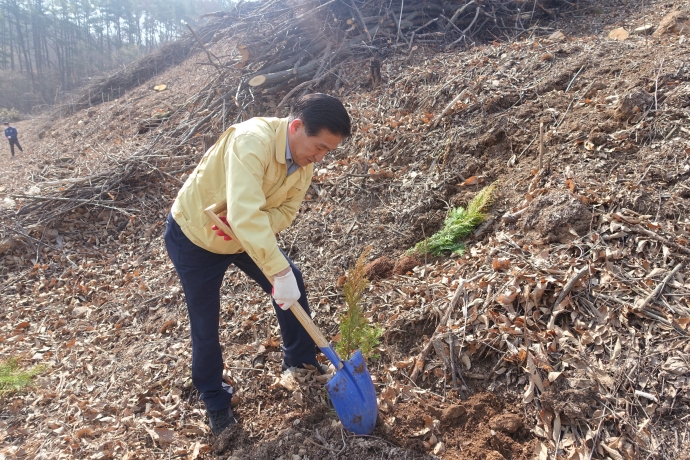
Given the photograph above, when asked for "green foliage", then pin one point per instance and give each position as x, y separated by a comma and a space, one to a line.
9, 114
356, 332
49, 48
458, 225
13, 378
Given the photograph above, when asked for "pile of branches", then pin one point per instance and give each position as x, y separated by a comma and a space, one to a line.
300, 46
283, 46
283, 52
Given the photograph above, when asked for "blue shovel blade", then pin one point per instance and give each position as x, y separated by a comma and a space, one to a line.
353, 395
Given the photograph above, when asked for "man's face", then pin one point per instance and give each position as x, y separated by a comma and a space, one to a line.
305, 149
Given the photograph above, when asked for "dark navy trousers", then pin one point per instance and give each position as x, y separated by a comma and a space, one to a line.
201, 274
14, 141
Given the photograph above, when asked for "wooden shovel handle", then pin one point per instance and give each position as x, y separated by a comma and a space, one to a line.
301, 315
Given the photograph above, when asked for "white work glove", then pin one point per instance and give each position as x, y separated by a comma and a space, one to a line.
285, 290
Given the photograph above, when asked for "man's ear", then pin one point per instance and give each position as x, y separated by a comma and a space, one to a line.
295, 125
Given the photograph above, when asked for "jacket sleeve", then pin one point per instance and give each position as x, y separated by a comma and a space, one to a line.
246, 159
282, 216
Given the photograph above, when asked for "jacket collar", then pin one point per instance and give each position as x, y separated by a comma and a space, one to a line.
281, 140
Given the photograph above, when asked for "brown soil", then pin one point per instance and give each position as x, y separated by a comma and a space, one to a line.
466, 428
379, 268
405, 264
558, 217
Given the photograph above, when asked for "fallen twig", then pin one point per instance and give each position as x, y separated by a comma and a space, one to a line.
655, 293
570, 284
541, 146
201, 44
566, 290
513, 217
661, 239
447, 109
361, 19
421, 358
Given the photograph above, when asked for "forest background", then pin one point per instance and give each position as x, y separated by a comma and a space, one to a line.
50, 47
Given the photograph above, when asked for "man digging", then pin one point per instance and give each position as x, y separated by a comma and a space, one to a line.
262, 168
11, 135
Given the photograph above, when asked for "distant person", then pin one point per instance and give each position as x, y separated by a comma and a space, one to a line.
11, 135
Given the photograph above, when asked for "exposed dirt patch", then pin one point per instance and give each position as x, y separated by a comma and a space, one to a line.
404, 264
232, 437
633, 104
379, 268
464, 428
556, 217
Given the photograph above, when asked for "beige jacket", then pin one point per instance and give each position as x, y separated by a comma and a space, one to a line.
247, 168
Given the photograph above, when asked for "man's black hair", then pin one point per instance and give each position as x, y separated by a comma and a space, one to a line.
320, 111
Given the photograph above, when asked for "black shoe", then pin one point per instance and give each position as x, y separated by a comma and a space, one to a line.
220, 419
320, 368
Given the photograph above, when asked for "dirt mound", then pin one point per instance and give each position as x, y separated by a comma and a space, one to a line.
379, 268
631, 105
556, 217
675, 22
506, 423
404, 264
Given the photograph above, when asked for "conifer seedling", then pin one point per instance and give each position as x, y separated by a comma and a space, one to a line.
356, 331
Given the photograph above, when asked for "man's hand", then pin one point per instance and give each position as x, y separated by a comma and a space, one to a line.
285, 289
220, 232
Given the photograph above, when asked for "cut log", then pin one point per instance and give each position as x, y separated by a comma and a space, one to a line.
286, 85
277, 77
312, 50
253, 52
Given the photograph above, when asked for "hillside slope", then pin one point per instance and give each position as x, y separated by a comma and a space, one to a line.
567, 317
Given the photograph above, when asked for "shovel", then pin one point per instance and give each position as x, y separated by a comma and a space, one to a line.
351, 389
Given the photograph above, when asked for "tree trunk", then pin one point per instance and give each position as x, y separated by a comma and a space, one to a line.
22, 45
